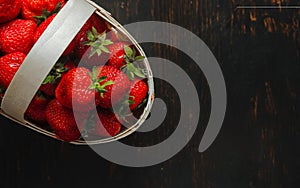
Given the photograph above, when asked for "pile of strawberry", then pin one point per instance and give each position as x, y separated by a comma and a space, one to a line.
97, 72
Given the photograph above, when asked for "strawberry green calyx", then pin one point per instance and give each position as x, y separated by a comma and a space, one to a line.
123, 106
96, 82
101, 88
130, 100
130, 69
46, 14
97, 42
55, 74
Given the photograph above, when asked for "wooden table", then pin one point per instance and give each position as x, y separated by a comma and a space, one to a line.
258, 146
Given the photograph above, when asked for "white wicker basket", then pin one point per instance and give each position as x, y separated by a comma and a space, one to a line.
19, 94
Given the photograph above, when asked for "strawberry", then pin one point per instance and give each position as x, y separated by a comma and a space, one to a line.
107, 124
79, 87
58, 71
9, 65
48, 88
73, 91
138, 93
36, 109
40, 8
62, 121
112, 84
95, 52
16, 36
113, 35
102, 122
124, 57
9, 9
43, 26
117, 54
91, 40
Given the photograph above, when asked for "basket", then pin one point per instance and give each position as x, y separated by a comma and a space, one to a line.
31, 74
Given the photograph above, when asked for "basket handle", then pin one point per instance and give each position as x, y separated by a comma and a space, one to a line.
43, 57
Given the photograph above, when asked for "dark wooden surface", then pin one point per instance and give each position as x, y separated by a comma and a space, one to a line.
258, 146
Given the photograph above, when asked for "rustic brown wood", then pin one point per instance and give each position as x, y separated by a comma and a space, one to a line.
258, 146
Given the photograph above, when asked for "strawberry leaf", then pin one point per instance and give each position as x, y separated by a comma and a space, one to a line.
96, 82
142, 103
107, 42
102, 37
92, 53
131, 75
139, 73
97, 42
49, 80
138, 58
94, 74
110, 82
128, 51
104, 49
99, 52
90, 36
102, 78
46, 14
131, 71
55, 74
57, 8
131, 100
101, 88
94, 31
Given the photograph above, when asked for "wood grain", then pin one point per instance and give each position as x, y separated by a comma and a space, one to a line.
258, 146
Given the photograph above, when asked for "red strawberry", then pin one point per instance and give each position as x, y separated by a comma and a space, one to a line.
36, 109
9, 65
113, 35
91, 41
58, 71
113, 85
94, 52
62, 121
9, 9
48, 88
73, 91
43, 26
117, 54
16, 36
125, 57
107, 124
138, 93
36, 8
